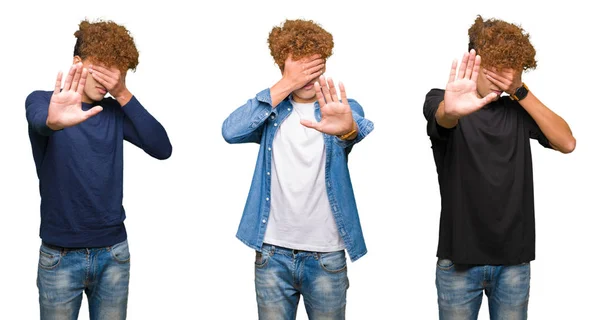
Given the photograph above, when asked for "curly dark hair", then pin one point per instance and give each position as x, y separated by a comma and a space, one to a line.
300, 38
501, 44
106, 42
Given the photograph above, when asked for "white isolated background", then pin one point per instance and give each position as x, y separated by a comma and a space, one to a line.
199, 61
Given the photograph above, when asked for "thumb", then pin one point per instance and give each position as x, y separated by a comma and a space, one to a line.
92, 112
310, 124
487, 99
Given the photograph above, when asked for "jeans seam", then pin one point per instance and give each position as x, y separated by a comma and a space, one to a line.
264, 264
51, 267
111, 250
344, 268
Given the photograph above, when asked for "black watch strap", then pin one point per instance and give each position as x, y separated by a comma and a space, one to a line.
520, 93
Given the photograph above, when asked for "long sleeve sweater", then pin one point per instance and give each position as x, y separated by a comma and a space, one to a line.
80, 169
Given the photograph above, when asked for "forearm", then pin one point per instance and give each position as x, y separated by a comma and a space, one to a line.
443, 119
145, 131
280, 91
555, 128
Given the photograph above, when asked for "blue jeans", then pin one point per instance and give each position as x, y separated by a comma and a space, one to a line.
460, 290
102, 273
282, 275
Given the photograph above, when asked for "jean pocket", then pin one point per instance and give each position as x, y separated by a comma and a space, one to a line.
120, 252
261, 259
445, 264
49, 258
333, 262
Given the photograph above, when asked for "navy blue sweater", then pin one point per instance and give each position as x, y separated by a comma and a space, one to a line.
80, 169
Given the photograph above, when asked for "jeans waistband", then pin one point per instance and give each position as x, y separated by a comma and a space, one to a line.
288, 251
65, 249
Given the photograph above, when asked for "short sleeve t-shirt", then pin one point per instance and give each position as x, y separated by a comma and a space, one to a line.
486, 182
301, 216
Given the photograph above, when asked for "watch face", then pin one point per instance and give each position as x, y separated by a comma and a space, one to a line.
521, 92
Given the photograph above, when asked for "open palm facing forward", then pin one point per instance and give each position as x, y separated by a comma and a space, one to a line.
461, 97
65, 105
336, 115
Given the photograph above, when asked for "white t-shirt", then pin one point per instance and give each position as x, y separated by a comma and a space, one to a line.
301, 216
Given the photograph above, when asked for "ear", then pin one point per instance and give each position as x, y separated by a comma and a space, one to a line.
77, 59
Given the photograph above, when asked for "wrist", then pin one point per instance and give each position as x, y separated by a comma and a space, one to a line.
53, 126
520, 93
350, 134
123, 96
286, 85
444, 118
446, 113
279, 91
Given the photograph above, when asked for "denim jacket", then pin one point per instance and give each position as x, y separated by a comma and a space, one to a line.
257, 121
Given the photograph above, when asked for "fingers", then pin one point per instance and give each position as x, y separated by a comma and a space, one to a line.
343, 94
476, 66
463, 66
453, 71
101, 69
332, 90
311, 63
312, 58
105, 73
487, 99
320, 96
92, 112
503, 77
470, 64
311, 124
315, 71
76, 78
325, 89
501, 83
58, 82
70, 76
82, 81
101, 78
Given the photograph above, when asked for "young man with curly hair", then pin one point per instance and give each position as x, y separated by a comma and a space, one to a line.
301, 214
76, 136
481, 148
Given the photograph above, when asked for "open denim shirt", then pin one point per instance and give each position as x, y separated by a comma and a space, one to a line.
257, 121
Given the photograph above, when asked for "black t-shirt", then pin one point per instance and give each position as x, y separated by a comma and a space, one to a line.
486, 182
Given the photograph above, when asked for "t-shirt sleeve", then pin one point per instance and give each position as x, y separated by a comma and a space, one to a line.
534, 130
430, 107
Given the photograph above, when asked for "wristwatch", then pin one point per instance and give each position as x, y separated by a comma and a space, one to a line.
520, 93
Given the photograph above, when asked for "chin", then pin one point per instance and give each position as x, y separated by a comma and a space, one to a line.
309, 94
96, 97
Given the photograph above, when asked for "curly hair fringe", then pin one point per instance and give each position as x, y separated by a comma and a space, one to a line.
299, 38
501, 44
106, 42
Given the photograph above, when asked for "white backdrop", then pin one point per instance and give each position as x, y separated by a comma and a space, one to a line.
199, 62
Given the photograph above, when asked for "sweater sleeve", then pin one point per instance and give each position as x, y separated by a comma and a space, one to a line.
143, 130
36, 109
